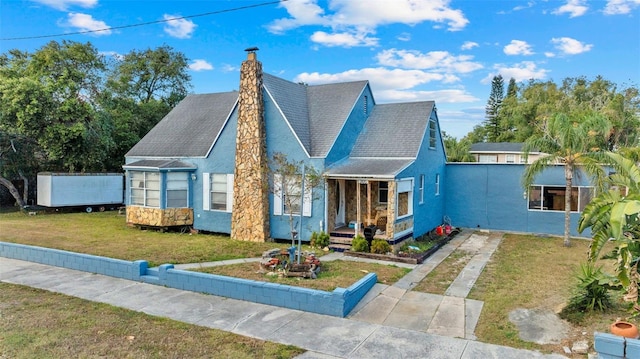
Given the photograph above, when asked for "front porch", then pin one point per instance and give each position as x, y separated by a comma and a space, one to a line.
354, 205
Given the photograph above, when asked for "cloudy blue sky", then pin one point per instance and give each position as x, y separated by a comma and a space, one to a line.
409, 50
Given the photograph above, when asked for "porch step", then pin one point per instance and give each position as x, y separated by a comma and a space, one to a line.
340, 240
339, 247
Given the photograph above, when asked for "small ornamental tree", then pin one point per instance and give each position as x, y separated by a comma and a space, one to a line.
287, 184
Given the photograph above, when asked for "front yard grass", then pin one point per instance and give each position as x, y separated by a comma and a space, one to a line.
106, 234
534, 272
332, 275
441, 277
40, 324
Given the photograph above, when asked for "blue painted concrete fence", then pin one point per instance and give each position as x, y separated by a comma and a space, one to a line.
337, 303
611, 346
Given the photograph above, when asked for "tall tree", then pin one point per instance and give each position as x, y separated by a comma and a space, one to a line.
574, 140
492, 110
52, 100
538, 101
142, 88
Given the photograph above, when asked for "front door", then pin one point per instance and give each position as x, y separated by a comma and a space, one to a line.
340, 203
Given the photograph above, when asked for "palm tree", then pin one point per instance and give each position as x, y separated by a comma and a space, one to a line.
576, 142
614, 215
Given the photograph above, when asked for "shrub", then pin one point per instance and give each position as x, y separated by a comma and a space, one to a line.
591, 293
380, 246
359, 244
320, 239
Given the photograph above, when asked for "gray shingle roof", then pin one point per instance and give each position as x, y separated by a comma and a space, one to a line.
190, 129
159, 164
496, 147
329, 107
368, 167
394, 130
291, 98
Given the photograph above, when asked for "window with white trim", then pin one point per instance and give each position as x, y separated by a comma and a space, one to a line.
287, 196
488, 159
421, 189
145, 188
177, 190
437, 184
432, 133
383, 192
217, 192
511, 158
552, 198
404, 203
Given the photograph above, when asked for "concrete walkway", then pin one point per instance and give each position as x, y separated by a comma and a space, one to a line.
451, 314
390, 322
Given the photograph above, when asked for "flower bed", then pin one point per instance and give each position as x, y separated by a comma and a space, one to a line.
411, 257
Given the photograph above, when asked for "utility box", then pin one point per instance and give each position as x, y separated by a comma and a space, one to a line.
80, 189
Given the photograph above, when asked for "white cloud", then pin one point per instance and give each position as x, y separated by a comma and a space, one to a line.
439, 61
65, 4
439, 96
518, 47
85, 22
523, 71
343, 39
179, 28
574, 8
619, 7
529, 4
229, 68
303, 12
381, 78
115, 55
405, 36
468, 45
569, 46
549, 54
200, 65
363, 17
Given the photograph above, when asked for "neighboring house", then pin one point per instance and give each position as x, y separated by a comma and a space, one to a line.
205, 164
502, 152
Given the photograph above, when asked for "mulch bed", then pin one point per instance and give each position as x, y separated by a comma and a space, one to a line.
410, 258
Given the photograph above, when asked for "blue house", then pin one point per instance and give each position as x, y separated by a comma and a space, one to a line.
209, 163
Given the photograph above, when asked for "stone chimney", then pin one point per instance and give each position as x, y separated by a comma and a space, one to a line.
250, 216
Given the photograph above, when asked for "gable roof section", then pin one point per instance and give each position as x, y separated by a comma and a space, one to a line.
316, 113
291, 99
394, 130
189, 129
329, 108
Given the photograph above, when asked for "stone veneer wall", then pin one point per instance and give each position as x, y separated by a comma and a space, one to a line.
250, 216
156, 217
391, 213
331, 211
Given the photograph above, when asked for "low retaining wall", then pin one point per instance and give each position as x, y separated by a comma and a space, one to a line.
336, 303
611, 346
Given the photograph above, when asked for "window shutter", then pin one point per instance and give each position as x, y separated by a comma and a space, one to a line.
307, 200
206, 191
277, 194
229, 193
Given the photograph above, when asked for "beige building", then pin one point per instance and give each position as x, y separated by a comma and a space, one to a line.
502, 152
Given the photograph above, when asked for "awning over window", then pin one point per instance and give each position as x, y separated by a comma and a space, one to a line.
380, 168
164, 165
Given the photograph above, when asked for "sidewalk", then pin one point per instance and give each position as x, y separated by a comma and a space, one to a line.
361, 335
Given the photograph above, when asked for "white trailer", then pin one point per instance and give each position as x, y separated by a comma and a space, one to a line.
87, 190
